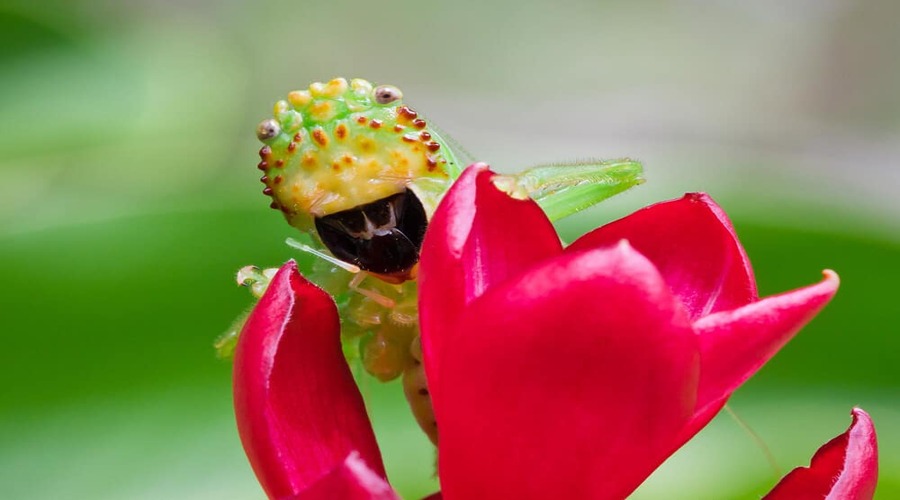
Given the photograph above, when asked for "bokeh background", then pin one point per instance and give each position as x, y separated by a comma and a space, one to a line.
129, 196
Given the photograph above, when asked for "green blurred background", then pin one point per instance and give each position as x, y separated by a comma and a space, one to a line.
130, 196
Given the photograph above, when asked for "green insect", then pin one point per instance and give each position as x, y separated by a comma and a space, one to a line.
360, 174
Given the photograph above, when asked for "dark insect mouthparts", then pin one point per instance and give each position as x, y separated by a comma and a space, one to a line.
383, 236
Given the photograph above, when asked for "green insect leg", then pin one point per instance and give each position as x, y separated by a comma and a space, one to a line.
564, 189
256, 280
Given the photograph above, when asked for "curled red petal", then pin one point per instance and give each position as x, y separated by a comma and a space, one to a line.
351, 480
298, 411
692, 243
845, 468
735, 344
571, 381
479, 236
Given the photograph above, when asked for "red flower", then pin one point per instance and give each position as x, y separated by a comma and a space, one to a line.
845, 468
300, 416
553, 373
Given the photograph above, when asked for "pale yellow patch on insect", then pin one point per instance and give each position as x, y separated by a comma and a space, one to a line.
317, 89
400, 161
365, 144
335, 88
299, 98
322, 111
361, 87
510, 185
280, 108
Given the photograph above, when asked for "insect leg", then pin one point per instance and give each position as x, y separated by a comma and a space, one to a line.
563, 189
227, 341
387, 302
415, 388
257, 280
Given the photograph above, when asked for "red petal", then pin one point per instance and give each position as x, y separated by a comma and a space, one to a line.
298, 410
845, 468
479, 236
692, 243
572, 381
735, 344
351, 480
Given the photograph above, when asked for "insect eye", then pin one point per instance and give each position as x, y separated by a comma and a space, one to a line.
386, 94
267, 129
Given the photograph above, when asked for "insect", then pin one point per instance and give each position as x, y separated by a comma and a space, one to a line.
359, 173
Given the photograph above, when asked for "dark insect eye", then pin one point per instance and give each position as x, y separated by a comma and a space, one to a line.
386, 94
267, 129
382, 237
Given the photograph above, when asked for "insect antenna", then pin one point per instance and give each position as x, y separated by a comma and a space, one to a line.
291, 242
770, 458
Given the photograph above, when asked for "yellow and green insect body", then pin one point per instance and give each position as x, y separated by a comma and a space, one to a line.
337, 146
